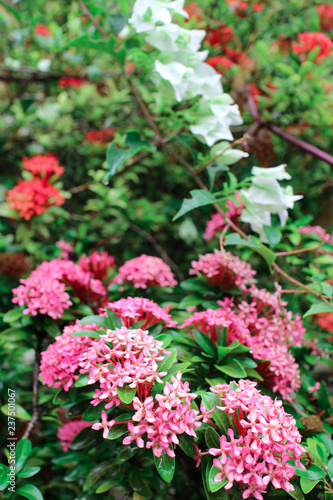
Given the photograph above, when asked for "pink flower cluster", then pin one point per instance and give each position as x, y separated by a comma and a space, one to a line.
120, 357
319, 231
217, 222
267, 441
135, 309
65, 249
224, 270
69, 431
44, 290
97, 264
145, 271
212, 322
60, 362
162, 419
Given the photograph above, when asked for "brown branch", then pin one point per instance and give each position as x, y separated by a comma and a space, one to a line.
301, 250
29, 74
309, 148
194, 174
35, 408
93, 20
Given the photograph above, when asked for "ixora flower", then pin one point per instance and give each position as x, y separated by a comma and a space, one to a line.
145, 271
266, 197
217, 222
33, 197
223, 270
267, 448
306, 42
149, 13
69, 431
98, 264
60, 362
214, 118
135, 309
43, 166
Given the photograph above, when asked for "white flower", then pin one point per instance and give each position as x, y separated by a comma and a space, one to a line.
172, 38
230, 156
215, 116
266, 197
188, 75
148, 13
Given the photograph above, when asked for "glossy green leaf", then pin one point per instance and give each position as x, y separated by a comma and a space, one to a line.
312, 473
117, 429
116, 157
297, 492
205, 343
113, 320
13, 315
319, 307
307, 485
95, 320
96, 473
126, 393
212, 485
265, 252
106, 486
29, 472
186, 444
199, 198
30, 491
233, 369
19, 412
165, 466
23, 450
212, 438
86, 333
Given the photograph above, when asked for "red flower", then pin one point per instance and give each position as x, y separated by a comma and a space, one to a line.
42, 30
220, 63
33, 197
325, 320
43, 166
240, 6
219, 36
306, 42
325, 12
101, 136
69, 81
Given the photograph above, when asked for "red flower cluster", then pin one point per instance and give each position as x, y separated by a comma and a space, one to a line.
241, 6
43, 166
70, 81
220, 36
306, 42
217, 222
194, 11
35, 196
98, 264
42, 30
325, 12
325, 320
100, 136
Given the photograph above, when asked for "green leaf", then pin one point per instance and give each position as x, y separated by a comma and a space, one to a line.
82, 381
116, 157
13, 315
85, 41
297, 493
199, 198
319, 307
163, 366
96, 320
119, 429
138, 483
205, 343
126, 394
165, 466
212, 438
113, 320
96, 473
312, 473
323, 397
273, 235
30, 491
23, 450
29, 472
12, 10
117, 22
266, 253
106, 486
212, 485
86, 333
251, 372
19, 412
330, 468
222, 420
186, 444
307, 485
4, 478
233, 369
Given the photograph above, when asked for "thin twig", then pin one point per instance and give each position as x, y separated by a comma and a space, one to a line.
309, 148
93, 20
35, 408
238, 141
301, 250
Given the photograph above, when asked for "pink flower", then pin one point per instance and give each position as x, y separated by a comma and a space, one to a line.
145, 271
69, 431
268, 439
42, 30
135, 309
59, 365
223, 270
98, 264
105, 425
44, 291
65, 249
217, 222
